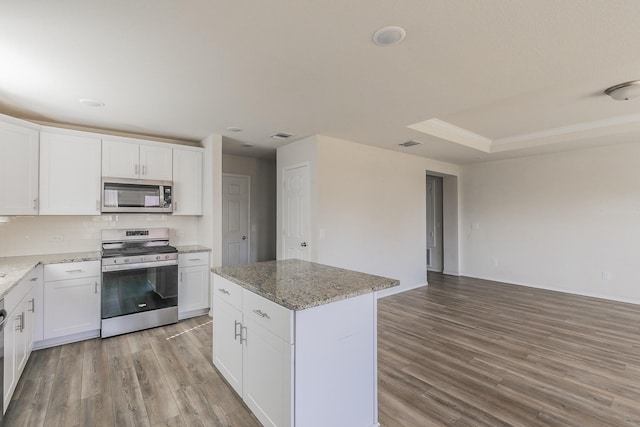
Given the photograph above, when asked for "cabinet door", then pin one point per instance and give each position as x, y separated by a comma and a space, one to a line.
26, 340
71, 306
18, 170
155, 163
69, 175
12, 344
227, 350
187, 182
267, 375
193, 288
120, 159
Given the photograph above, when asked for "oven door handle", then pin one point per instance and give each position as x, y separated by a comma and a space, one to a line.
122, 267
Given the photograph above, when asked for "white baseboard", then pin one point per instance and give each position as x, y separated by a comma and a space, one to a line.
53, 342
557, 289
451, 273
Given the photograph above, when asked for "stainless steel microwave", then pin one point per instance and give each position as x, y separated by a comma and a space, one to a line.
136, 196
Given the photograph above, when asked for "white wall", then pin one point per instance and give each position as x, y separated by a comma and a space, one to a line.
556, 221
210, 223
262, 232
370, 206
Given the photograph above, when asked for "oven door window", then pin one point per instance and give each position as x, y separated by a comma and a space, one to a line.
134, 291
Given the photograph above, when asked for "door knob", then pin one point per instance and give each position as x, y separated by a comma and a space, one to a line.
303, 244
244, 237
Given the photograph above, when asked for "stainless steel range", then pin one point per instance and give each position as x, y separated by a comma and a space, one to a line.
139, 280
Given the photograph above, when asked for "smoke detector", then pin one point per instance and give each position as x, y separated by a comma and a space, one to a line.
387, 36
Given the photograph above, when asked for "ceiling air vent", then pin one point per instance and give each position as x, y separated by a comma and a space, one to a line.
281, 135
410, 143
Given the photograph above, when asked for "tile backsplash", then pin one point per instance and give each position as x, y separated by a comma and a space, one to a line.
31, 235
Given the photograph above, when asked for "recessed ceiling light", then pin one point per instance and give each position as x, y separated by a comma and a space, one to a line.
234, 129
91, 102
388, 36
624, 91
410, 143
281, 135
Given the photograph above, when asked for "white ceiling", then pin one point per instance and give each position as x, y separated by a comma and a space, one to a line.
502, 78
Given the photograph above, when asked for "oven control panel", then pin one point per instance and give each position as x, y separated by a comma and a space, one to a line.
140, 259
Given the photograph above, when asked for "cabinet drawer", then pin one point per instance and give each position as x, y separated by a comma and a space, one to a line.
227, 291
268, 314
71, 270
191, 259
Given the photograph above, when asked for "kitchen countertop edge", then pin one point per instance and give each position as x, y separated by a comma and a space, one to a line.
297, 297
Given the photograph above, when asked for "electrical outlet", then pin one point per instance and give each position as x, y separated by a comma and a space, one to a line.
494, 262
606, 275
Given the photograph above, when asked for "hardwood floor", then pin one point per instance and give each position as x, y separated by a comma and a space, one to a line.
461, 352
468, 352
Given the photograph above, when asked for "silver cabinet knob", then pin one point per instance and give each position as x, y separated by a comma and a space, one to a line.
244, 237
303, 244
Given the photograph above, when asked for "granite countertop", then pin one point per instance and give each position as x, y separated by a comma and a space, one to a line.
14, 268
297, 284
186, 249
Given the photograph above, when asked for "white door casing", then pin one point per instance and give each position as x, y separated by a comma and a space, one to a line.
235, 219
295, 209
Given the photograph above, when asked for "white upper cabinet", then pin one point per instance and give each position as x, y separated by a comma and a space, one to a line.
187, 181
18, 170
136, 161
69, 174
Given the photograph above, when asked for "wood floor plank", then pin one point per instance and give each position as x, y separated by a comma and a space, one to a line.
157, 396
64, 404
95, 369
97, 410
128, 405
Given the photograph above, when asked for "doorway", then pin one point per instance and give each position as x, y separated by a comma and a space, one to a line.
235, 218
442, 221
435, 252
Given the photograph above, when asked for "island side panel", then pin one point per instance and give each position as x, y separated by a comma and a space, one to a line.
336, 364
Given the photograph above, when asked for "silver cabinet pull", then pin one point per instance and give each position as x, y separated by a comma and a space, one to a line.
35, 204
194, 259
95, 287
243, 337
235, 330
144, 169
33, 279
224, 291
135, 169
244, 237
21, 317
262, 314
175, 206
303, 244
33, 305
79, 270
181, 277
98, 205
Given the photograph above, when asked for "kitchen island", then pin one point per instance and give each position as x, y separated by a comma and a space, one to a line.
297, 341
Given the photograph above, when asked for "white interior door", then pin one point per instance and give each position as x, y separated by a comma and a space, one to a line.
235, 219
295, 208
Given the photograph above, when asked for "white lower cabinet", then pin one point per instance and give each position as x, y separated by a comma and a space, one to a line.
314, 367
251, 353
193, 284
71, 298
20, 304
